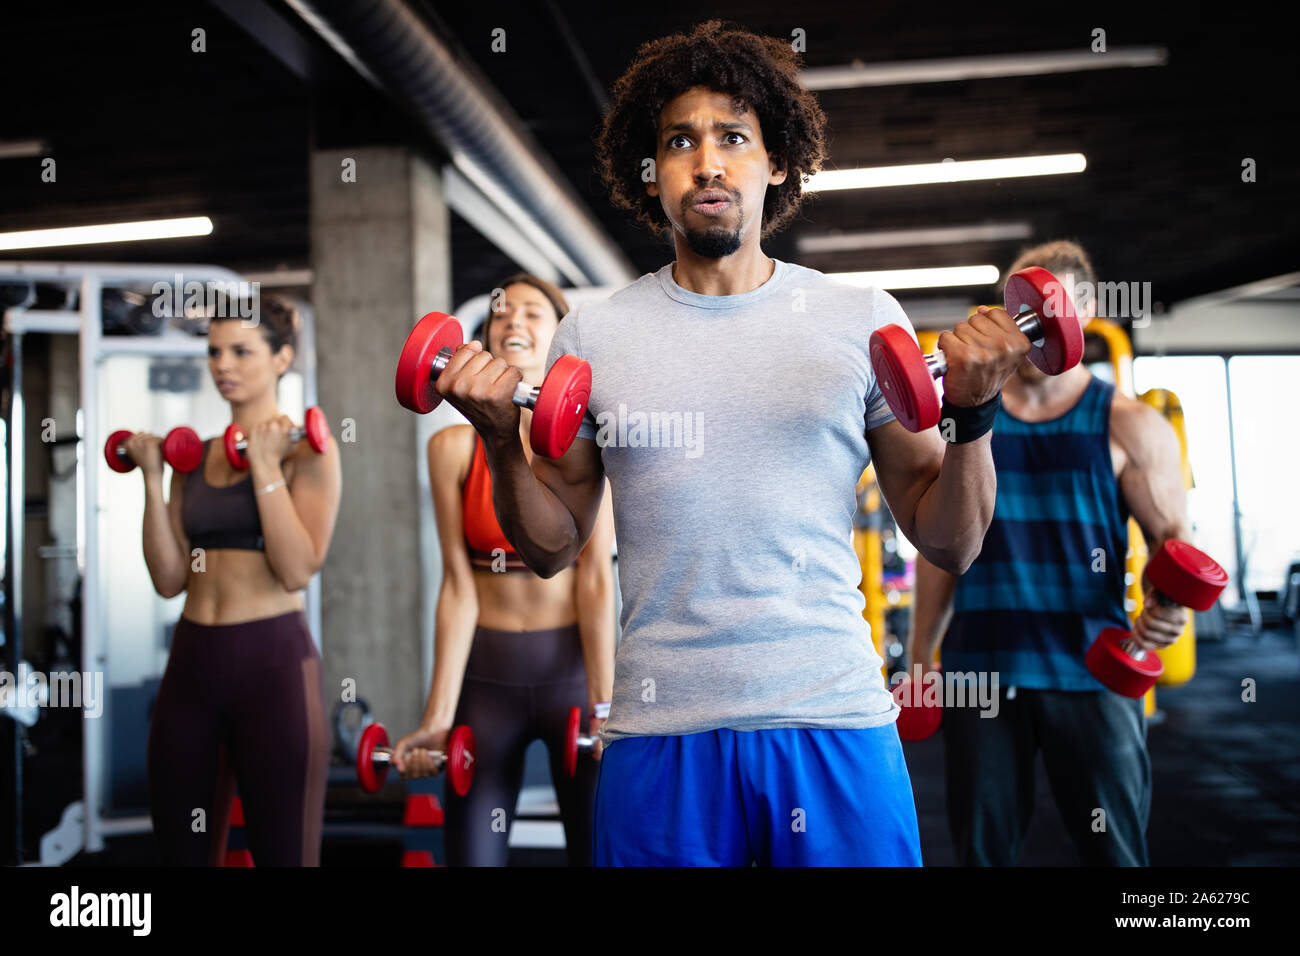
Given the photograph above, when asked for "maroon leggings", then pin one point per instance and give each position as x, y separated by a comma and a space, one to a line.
519, 687
240, 704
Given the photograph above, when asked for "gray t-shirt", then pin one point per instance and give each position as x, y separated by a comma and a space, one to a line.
732, 430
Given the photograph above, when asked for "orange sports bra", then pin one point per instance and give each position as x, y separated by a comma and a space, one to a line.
483, 534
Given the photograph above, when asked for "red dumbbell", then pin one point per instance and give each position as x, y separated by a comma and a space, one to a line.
575, 741
182, 449
558, 405
1181, 575
1043, 312
316, 431
375, 756
919, 718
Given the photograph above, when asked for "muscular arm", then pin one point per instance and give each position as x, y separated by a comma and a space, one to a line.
1151, 480
942, 497
547, 511
940, 494
595, 600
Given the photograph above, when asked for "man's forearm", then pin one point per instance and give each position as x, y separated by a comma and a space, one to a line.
533, 519
953, 516
932, 603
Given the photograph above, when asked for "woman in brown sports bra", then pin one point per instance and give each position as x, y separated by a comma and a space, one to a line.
242, 698
513, 652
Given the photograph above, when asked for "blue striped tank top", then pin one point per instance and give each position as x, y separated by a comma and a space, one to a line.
1050, 576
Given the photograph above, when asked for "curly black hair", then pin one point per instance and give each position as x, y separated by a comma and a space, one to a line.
762, 72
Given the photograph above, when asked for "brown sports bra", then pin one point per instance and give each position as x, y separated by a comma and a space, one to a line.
220, 517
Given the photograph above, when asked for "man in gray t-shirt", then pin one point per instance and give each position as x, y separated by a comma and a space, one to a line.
732, 455
733, 408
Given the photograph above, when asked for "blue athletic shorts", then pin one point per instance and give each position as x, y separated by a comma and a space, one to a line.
790, 797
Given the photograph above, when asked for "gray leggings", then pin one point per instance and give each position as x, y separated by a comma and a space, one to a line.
519, 687
1094, 751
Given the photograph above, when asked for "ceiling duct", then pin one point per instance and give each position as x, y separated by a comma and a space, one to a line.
394, 48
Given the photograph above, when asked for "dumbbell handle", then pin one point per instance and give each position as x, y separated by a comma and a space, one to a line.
1029, 322
122, 453
296, 433
585, 742
383, 756
1130, 646
525, 395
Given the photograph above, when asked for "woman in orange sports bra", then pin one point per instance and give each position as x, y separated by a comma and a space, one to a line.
513, 652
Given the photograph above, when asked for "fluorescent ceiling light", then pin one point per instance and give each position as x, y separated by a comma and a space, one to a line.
920, 278
893, 238
21, 148
952, 69
955, 171
109, 232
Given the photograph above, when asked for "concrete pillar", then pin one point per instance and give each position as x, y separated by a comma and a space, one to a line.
381, 258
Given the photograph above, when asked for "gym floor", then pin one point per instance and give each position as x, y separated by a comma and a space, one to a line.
1225, 774
1226, 780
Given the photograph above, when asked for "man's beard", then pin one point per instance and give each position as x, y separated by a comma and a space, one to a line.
713, 243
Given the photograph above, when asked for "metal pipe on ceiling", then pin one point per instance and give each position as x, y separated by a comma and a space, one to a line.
390, 45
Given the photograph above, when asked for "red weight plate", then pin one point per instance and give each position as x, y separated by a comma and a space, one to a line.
1038, 290
571, 741
183, 449
370, 777
317, 429
917, 720
460, 759
561, 404
238, 460
1119, 670
1187, 575
904, 379
414, 382
119, 463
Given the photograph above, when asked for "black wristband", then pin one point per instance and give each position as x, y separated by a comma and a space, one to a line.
960, 424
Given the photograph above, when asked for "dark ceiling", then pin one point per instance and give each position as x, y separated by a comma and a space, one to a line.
142, 128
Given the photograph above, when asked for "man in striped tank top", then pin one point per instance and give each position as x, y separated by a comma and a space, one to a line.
1074, 459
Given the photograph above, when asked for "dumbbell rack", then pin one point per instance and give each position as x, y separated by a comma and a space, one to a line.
84, 824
